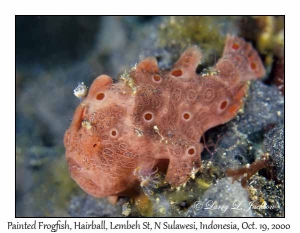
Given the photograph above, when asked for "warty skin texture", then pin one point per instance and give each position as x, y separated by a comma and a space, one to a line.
153, 119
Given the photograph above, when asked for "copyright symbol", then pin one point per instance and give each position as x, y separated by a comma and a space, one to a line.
198, 205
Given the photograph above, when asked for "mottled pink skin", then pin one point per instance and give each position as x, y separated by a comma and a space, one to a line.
115, 131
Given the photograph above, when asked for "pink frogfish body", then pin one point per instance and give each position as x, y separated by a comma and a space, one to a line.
155, 118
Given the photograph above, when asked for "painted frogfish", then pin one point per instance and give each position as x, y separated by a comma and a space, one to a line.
153, 119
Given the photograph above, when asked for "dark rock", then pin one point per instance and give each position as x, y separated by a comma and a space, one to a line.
87, 206
263, 108
274, 145
231, 148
